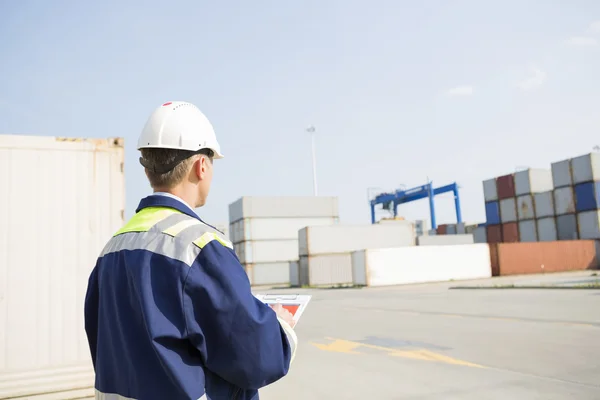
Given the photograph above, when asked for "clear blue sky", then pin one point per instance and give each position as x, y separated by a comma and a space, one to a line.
398, 91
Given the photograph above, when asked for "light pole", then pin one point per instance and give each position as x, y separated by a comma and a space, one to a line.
311, 129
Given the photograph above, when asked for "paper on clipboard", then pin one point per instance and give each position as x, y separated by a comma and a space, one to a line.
294, 303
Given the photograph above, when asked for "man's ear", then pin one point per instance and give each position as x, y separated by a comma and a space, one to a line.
201, 167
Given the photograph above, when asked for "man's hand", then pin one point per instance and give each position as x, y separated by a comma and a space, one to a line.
284, 314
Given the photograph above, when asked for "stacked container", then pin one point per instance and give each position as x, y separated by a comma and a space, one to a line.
264, 232
586, 180
564, 201
533, 191
493, 230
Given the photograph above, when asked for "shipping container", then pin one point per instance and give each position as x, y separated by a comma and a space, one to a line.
326, 270
506, 186
450, 229
494, 233
525, 207
546, 228
442, 229
586, 196
272, 273
510, 232
533, 180
51, 234
283, 207
490, 192
528, 231
409, 265
331, 239
444, 240
294, 273
564, 200
540, 257
588, 224
267, 251
561, 174
480, 234
492, 213
566, 227
508, 210
544, 204
586, 168
252, 229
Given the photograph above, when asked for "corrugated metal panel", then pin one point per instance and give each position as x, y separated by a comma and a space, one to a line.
494, 233
566, 227
564, 200
544, 204
43, 281
284, 207
586, 168
586, 196
528, 231
546, 228
329, 269
480, 235
510, 232
442, 229
506, 186
275, 273
408, 265
508, 210
492, 212
533, 180
451, 229
589, 225
347, 238
525, 207
266, 251
490, 192
533, 258
252, 229
445, 240
561, 173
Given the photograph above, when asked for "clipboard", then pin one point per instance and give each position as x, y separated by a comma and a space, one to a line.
294, 303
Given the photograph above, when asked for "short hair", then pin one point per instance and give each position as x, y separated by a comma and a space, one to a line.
174, 176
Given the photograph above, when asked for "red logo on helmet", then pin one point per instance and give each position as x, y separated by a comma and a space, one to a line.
167, 104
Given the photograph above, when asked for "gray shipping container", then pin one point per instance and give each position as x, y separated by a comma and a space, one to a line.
566, 227
490, 191
508, 210
525, 207
586, 168
544, 204
480, 234
533, 180
442, 240
546, 228
588, 224
561, 173
564, 200
528, 231
280, 206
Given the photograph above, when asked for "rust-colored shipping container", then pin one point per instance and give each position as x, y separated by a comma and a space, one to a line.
510, 232
505, 186
494, 233
539, 257
442, 229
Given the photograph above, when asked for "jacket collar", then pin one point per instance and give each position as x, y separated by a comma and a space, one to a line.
169, 202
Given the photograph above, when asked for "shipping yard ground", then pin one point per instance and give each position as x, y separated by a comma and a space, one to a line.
431, 342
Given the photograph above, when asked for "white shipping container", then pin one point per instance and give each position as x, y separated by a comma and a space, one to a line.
284, 207
251, 229
561, 173
528, 231
564, 200
566, 227
525, 207
332, 239
544, 204
51, 233
546, 228
267, 251
586, 168
589, 225
406, 265
275, 273
533, 180
326, 269
508, 210
294, 273
490, 191
480, 234
445, 240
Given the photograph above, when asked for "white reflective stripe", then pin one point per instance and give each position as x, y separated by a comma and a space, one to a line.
112, 396
291, 336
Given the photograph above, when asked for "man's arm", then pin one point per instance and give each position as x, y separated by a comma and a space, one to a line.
240, 338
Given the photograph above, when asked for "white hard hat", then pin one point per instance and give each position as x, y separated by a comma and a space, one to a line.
179, 125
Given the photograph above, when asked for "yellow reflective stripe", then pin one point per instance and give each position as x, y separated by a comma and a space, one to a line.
180, 226
209, 237
146, 219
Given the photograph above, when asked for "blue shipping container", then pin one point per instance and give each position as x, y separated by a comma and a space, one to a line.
492, 213
587, 196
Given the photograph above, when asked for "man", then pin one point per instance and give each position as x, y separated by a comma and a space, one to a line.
169, 313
